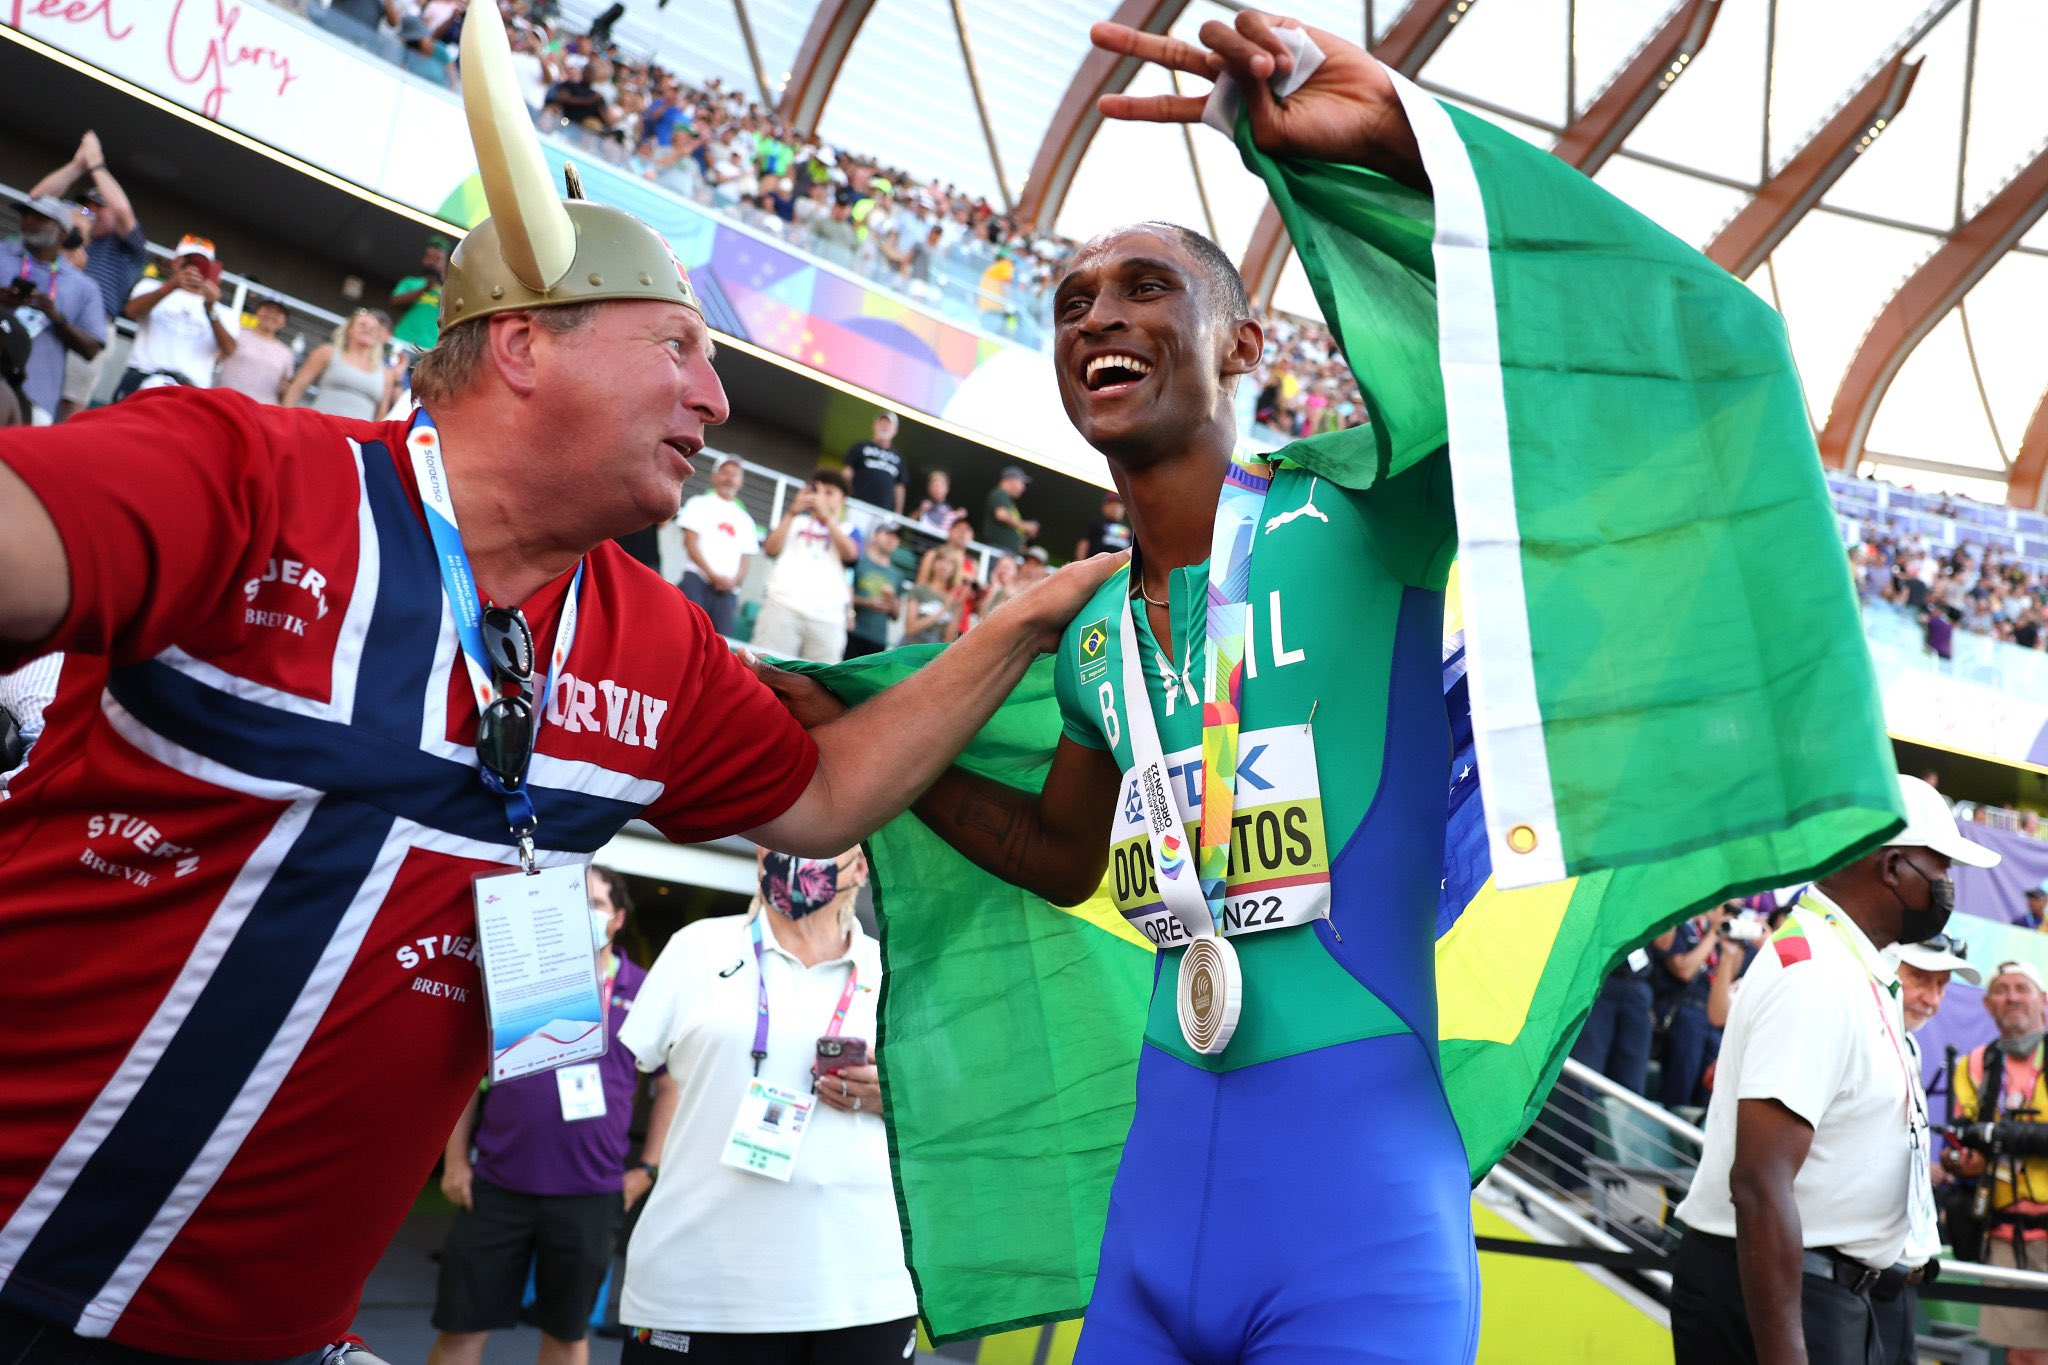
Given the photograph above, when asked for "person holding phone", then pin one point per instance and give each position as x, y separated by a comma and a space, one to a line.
772, 1232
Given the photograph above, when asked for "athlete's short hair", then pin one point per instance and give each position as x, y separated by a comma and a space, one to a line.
1225, 287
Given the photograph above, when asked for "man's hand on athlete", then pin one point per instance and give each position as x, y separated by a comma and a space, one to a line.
1043, 609
1346, 112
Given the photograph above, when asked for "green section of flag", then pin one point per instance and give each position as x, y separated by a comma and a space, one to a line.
1009, 1040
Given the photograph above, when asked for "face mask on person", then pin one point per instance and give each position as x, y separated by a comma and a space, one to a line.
1919, 925
41, 237
796, 887
600, 928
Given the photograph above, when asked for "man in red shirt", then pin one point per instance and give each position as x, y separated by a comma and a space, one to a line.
243, 1006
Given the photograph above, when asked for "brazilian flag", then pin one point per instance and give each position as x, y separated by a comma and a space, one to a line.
1658, 686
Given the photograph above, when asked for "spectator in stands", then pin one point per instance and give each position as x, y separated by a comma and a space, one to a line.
803, 1260
718, 538
1110, 532
2037, 907
935, 512
1998, 1078
416, 299
116, 253
1003, 525
549, 1185
262, 364
1939, 624
831, 235
358, 21
181, 328
997, 309
805, 600
877, 592
1682, 980
573, 99
421, 53
1002, 586
350, 371
958, 534
934, 612
1035, 565
55, 303
876, 466
1615, 1040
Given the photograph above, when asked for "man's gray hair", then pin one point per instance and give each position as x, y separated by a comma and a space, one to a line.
457, 360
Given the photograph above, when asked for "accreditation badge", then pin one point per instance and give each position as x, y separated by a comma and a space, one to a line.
768, 1130
581, 1091
541, 992
1279, 874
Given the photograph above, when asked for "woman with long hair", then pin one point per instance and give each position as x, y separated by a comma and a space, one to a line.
350, 370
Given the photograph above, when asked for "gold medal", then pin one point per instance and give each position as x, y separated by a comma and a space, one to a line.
1211, 990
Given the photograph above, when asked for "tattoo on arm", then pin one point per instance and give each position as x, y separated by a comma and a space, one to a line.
997, 818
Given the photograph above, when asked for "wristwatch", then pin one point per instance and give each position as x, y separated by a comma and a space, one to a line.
653, 1171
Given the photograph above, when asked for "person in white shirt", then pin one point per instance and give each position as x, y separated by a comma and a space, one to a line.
805, 601
771, 1233
1813, 1203
182, 329
718, 538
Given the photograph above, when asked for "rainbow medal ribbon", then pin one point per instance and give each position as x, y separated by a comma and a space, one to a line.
1210, 990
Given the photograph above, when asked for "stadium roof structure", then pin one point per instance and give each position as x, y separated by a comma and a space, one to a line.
1877, 170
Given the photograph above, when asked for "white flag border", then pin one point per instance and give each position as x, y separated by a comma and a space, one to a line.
1507, 716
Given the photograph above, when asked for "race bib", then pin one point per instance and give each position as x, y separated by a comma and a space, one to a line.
768, 1130
1279, 860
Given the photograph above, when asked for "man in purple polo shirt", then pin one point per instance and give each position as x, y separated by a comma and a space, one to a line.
548, 1185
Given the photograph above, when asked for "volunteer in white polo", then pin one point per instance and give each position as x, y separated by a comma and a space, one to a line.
1813, 1202
771, 1233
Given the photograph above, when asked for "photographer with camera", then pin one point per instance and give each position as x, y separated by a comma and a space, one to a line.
772, 1234
52, 301
416, 299
181, 328
2001, 1083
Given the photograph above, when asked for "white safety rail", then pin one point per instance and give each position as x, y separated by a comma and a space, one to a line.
1606, 1165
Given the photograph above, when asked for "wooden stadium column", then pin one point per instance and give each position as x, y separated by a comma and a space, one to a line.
1075, 119
2024, 480
1751, 235
1413, 40
1923, 301
834, 26
1598, 133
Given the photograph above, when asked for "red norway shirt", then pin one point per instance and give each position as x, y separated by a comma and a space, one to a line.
242, 1001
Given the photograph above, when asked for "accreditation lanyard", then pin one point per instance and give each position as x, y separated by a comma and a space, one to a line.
1916, 1106
761, 998
430, 473
1197, 900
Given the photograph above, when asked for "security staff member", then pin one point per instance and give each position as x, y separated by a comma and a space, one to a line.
2003, 1079
1813, 1195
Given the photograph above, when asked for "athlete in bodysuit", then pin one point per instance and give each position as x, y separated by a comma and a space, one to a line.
1301, 1195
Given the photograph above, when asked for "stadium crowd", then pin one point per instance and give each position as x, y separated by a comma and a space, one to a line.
1967, 586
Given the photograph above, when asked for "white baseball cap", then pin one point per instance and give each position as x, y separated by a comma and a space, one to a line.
1935, 956
2025, 969
1930, 824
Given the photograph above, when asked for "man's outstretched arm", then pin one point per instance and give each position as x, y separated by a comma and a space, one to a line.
867, 774
35, 575
1053, 843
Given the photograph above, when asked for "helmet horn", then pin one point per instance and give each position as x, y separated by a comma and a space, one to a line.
535, 236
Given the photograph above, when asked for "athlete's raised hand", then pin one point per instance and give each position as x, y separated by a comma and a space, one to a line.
1346, 112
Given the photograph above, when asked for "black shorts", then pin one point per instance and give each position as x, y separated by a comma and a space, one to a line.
874, 1343
567, 1239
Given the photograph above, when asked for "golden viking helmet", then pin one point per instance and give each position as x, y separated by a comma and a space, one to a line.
535, 250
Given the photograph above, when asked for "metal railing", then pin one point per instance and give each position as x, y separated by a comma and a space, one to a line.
1605, 1164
